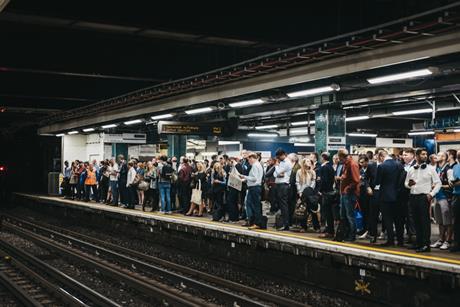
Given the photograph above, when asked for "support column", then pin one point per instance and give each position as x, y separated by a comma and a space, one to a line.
177, 145
330, 130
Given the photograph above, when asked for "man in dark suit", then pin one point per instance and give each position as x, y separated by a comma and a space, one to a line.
122, 180
387, 181
374, 199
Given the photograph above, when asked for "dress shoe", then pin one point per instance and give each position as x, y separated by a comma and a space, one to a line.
254, 227
246, 225
413, 247
387, 244
423, 249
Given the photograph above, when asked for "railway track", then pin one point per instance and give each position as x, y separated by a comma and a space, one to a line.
132, 262
34, 283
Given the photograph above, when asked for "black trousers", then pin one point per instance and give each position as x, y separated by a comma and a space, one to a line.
123, 191
272, 198
327, 200
282, 197
421, 213
406, 214
88, 189
364, 205
374, 209
184, 196
232, 204
292, 202
390, 212
218, 212
456, 212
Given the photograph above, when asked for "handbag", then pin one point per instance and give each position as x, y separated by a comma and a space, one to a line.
300, 209
143, 185
358, 217
196, 194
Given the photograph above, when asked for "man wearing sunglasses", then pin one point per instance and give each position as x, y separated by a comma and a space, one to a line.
424, 183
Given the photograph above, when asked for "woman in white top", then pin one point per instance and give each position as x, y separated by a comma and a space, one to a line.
306, 176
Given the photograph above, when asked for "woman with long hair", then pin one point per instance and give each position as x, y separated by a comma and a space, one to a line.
151, 177
306, 178
140, 178
218, 188
199, 182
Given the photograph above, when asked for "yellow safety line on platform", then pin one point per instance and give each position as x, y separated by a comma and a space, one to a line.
285, 234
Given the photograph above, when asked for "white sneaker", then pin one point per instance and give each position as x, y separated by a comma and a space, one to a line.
363, 236
437, 244
445, 246
382, 236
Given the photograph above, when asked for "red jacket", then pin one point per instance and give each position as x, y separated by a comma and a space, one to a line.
350, 177
185, 173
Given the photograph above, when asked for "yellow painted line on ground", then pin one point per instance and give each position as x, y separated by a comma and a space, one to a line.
286, 234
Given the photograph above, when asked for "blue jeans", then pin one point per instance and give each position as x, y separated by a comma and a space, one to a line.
347, 213
114, 188
253, 205
165, 195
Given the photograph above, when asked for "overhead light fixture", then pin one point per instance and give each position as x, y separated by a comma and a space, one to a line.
109, 126
416, 111
355, 118
132, 122
88, 130
246, 103
262, 135
369, 135
72, 132
298, 131
312, 122
162, 116
456, 130
60, 134
303, 144
315, 91
400, 76
421, 133
198, 111
266, 127
229, 143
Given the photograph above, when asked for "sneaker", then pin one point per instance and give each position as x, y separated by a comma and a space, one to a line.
437, 244
363, 236
445, 246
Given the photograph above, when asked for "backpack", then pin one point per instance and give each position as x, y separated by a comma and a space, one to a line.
167, 172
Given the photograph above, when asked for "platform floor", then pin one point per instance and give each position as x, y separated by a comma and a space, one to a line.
436, 259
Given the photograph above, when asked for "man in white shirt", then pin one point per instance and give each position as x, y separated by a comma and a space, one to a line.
254, 192
113, 169
282, 176
424, 183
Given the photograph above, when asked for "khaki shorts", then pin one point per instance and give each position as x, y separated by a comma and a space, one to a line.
443, 212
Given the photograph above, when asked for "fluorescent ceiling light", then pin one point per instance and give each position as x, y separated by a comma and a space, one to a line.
162, 116
369, 135
312, 122
456, 130
246, 103
132, 122
408, 112
88, 129
267, 127
262, 135
200, 110
229, 143
73, 132
298, 131
401, 76
355, 118
421, 133
314, 91
60, 134
303, 144
109, 126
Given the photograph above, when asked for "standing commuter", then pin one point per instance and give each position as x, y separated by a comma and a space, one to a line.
184, 181
292, 185
327, 193
90, 183
424, 183
388, 178
455, 183
165, 173
132, 189
114, 181
406, 211
349, 191
282, 175
122, 178
254, 182
218, 188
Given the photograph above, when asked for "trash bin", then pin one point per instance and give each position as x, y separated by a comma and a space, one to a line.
53, 183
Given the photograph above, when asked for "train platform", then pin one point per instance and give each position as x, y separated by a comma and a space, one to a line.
394, 259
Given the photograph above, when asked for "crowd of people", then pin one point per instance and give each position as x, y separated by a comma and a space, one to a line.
374, 196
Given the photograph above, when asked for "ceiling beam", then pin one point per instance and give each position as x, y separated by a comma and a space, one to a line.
428, 47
